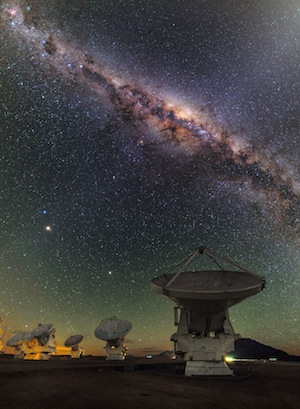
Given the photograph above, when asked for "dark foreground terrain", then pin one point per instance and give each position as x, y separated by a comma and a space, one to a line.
91, 383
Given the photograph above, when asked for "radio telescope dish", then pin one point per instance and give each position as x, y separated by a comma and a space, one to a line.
15, 339
73, 340
113, 331
112, 328
205, 335
71, 347
27, 336
41, 330
208, 291
35, 345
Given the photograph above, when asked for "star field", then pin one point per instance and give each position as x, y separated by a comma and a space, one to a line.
131, 133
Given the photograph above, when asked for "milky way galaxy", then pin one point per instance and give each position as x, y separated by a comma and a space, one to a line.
134, 132
194, 133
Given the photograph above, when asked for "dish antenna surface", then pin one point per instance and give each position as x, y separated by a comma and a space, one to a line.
42, 330
15, 339
113, 331
73, 340
27, 336
71, 347
205, 334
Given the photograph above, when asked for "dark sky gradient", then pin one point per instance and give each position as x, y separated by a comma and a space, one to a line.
125, 196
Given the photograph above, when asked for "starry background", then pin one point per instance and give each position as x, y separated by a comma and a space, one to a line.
89, 215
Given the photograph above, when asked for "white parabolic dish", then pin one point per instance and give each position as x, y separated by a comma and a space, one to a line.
41, 330
208, 291
112, 328
73, 340
15, 339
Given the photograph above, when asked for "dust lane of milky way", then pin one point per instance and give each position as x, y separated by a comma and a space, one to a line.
186, 130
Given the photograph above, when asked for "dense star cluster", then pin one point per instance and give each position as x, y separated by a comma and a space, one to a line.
133, 132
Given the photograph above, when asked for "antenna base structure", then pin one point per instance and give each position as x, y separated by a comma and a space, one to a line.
116, 349
204, 334
73, 352
33, 351
113, 331
203, 352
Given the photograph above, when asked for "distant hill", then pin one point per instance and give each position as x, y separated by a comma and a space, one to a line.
166, 354
247, 348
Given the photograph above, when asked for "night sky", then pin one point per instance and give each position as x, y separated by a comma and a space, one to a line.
133, 132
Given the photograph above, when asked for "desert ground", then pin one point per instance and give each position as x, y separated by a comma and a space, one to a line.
140, 383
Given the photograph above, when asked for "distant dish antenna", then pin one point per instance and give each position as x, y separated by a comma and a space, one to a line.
38, 344
204, 334
43, 330
73, 340
72, 347
113, 331
15, 339
27, 336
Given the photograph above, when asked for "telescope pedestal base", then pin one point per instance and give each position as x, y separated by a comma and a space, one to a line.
204, 351
206, 368
116, 350
34, 351
38, 356
119, 357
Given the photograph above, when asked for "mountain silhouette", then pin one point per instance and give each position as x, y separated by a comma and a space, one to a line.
248, 348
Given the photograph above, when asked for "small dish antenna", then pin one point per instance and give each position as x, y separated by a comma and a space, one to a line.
42, 330
16, 339
73, 347
113, 331
205, 335
73, 340
27, 336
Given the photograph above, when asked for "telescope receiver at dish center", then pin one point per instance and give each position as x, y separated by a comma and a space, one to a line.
204, 332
